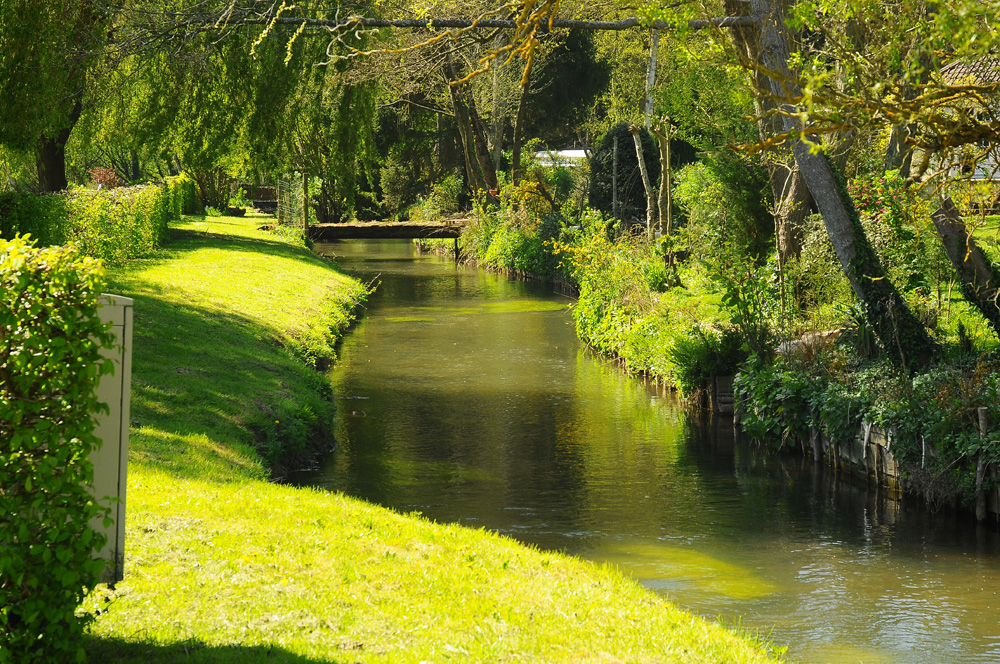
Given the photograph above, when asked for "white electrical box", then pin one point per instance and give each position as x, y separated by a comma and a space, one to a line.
111, 459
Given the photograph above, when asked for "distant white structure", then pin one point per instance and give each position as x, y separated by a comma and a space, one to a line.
567, 158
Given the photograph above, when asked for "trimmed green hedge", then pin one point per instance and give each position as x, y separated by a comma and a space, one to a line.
45, 218
49, 367
114, 224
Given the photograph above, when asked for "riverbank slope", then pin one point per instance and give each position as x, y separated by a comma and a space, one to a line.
224, 566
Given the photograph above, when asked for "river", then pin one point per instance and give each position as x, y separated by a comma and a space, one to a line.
467, 397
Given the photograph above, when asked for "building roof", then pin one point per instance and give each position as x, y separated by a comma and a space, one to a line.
983, 71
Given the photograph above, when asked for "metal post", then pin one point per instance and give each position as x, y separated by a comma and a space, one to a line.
614, 179
305, 204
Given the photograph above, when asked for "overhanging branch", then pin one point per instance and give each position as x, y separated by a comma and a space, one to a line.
461, 23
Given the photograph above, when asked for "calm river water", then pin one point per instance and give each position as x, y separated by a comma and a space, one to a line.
467, 397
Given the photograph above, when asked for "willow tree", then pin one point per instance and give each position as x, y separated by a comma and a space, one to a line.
49, 54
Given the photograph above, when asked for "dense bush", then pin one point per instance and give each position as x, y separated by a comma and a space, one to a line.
45, 218
722, 199
49, 366
627, 307
444, 199
705, 352
517, 238
113, 224
897, 223
183, 194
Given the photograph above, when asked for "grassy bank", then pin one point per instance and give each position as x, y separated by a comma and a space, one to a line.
223, 566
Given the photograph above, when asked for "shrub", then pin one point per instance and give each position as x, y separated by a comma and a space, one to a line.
776, 401
183, 193
123, 223
518, 237
43, 217
705, 352
626, 306
896, 223
721, 198
49, 366
115, 225
750, 293
444, 199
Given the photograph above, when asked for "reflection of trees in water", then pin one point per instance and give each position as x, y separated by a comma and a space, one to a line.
790, 492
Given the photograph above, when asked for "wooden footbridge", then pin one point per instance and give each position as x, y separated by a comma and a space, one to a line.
388, 230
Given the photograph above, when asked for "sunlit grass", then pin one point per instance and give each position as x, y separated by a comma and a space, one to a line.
223, 566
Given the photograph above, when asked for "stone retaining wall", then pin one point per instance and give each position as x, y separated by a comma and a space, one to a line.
867, 455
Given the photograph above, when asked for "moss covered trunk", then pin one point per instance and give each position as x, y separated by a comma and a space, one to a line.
902, 336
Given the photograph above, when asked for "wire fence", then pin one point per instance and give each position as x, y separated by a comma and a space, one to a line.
292, 208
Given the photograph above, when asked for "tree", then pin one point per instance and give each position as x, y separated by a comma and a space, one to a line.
615, 175
902, 336
928, 75
49, 52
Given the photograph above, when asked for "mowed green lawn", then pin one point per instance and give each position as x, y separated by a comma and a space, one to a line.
224, 566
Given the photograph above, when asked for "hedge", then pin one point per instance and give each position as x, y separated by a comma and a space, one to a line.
50, 362
113, 224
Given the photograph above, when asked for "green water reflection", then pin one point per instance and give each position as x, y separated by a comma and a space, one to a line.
467, 397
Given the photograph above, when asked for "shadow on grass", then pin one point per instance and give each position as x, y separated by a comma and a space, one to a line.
120, 651
208, 385
183, 240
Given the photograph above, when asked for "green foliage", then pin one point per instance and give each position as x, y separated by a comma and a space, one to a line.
775, 401
749, 291
932, 417
565, 82
50, 363
814, 281
43, 217
897, 224
444, 199
627, 308
516, 238
238, 199
46, 47
118, 224
722, 200
631, 195
183, 193
706, 352
114, 225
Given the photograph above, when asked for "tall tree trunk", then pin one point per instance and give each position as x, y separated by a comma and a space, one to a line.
654, 48
473, 171
665, 219
50, 155
898, 330
650, 193
481, 147
614, 180
522, 108
978, 277
50, 162
497, 113
134, 168
793, 208
791, 199
664, 203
